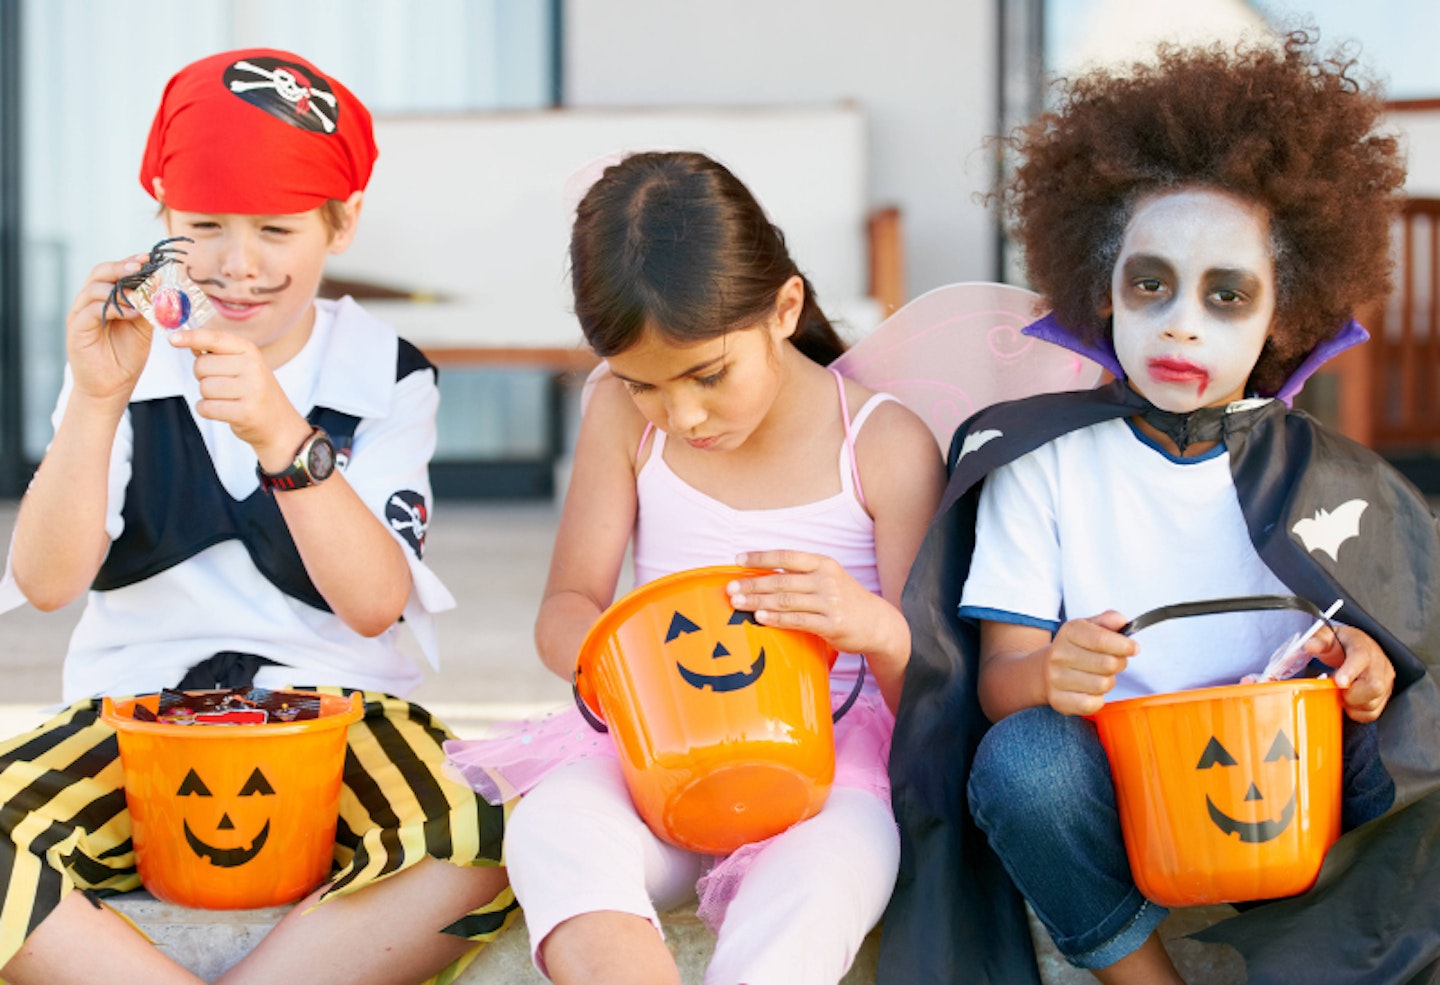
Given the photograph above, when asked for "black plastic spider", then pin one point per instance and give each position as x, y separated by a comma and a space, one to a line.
160, 254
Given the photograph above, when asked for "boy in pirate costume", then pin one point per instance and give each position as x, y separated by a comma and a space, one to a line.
240, 500
1204, 227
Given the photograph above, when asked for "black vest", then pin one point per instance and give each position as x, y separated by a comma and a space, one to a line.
176, 506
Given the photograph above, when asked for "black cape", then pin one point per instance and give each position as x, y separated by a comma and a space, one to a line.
1374, 915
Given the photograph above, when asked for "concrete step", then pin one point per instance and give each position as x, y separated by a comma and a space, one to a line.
208, 942
1198, 963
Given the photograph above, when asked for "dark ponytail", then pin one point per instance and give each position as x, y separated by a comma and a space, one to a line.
676, 242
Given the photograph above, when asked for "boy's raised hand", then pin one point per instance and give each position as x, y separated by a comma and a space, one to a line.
238, 388
107, 350
1365, 673
1082, 661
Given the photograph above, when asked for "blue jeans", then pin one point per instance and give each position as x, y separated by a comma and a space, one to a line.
1040, 789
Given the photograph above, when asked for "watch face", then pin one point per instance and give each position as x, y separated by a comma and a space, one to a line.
321, 460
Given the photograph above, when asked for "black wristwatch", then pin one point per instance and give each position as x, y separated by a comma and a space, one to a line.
314, 463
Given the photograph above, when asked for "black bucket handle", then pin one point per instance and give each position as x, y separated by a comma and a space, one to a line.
1210, 607
1239, 603
595, 721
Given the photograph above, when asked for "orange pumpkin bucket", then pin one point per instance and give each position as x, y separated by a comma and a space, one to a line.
237, 816
1229, 793
723, 726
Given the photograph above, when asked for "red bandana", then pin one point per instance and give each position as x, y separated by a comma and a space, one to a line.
257, 132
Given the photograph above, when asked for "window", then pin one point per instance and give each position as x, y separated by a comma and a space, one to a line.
89, 79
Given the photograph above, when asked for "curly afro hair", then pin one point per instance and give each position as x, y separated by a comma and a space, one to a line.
1275, 125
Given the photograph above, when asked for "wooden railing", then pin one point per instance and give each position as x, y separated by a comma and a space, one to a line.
1389, 388
1405, 363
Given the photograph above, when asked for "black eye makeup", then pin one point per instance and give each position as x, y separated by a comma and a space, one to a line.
1145, 278
1232, 288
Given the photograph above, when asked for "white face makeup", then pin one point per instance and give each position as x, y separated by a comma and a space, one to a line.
1193, 296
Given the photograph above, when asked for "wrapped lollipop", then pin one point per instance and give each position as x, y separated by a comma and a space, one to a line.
163, 293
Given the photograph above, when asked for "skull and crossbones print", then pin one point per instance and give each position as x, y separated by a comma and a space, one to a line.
305, 101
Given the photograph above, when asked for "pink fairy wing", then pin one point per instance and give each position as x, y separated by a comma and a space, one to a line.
958, 349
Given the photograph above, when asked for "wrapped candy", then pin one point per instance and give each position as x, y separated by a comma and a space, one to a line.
237, 706
163, 292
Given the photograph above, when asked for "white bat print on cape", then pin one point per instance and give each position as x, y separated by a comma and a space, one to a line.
1328, 529
976, 440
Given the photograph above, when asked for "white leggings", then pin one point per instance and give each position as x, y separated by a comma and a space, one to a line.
575, 845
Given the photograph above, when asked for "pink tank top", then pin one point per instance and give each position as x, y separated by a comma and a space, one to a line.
678, 527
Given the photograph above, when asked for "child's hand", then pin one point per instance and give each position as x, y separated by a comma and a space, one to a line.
814, 593
106, 350
238, 388
1365, 673
1082, 661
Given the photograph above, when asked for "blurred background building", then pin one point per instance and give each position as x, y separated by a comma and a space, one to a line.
862, 126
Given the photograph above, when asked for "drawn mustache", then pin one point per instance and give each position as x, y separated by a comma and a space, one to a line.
219, 284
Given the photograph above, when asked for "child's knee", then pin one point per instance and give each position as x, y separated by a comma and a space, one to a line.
577, 824
1036, 763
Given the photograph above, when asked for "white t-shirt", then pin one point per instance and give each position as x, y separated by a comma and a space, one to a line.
1102, 518
146, 635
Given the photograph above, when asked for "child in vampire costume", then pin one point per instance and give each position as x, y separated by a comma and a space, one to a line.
1273, 133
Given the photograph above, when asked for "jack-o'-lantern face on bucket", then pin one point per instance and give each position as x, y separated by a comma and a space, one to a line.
1227, 793
242, 808
730, 668
1252, 818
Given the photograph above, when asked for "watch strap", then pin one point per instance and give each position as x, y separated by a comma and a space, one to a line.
297, 474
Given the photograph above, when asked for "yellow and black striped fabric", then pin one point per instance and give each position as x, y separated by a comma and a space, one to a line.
64, 824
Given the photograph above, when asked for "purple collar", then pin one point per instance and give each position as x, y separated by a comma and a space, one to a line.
1350, 334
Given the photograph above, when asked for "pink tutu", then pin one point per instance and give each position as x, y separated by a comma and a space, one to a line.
514, 757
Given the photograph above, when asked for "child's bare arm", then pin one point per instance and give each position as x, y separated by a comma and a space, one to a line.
595, 526
60, 538
353, 560
1023, 666
355, 563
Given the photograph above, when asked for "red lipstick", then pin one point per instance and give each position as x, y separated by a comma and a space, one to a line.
1171, 370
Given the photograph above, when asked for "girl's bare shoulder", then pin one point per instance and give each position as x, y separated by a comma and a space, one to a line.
610, 417
888, 421
895, 450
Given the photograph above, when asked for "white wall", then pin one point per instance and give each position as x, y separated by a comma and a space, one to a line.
93, 73
922, 70
1085, 34
1419, 130
425, 231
